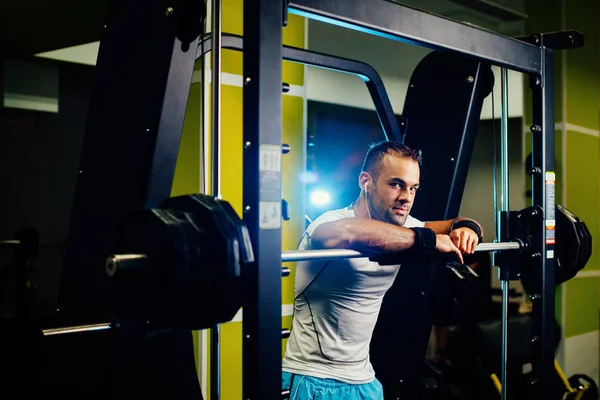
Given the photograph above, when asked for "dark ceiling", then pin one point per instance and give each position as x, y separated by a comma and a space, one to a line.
28, 27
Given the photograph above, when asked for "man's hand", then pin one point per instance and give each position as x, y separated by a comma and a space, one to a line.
465, 239
444, 244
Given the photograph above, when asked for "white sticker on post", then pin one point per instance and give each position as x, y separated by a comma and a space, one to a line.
270, 158
550, 254
550, 183
270, 215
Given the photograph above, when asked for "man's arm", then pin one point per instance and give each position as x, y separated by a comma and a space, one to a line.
377, 237
361, 235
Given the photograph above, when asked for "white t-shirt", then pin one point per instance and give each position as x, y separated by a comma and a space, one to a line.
336, 307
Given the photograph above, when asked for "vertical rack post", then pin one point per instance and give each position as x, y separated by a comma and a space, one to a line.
504, 207
216, 98
543, 262
215, 340
261, 368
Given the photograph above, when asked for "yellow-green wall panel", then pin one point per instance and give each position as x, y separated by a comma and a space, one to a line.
293, 35
582, 183
583, 64
231, 361
582, 90
293, 187
232, 146
187, 168
582, 310
232, 62
558, 293
286, 322
232, 20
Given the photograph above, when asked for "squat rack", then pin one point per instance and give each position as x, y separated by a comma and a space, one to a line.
130, 150
263, 21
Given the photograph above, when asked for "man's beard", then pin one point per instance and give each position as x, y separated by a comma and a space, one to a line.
387, 215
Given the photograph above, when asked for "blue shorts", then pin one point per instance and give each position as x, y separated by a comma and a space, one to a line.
308, 388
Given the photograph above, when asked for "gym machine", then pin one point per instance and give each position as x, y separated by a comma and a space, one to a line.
262, 71
156, 262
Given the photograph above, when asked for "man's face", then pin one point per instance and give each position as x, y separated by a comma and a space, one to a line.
391, 197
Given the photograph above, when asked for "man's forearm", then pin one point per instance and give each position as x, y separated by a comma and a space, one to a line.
362, 235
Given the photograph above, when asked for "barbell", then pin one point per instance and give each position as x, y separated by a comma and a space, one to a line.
191, 251
172, 261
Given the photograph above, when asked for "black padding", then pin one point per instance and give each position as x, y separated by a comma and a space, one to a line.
443, 108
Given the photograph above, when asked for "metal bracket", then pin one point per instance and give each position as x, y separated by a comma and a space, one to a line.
517, 226
561, 40
284, 10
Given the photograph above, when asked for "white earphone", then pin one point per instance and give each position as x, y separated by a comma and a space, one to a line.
367, 200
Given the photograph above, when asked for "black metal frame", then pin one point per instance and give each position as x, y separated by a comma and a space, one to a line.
406, 24
391, 129
131, 145
543, 195
262, 68
397, 22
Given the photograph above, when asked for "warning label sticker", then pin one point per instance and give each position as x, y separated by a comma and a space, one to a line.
270, 158
270, 215
550, 236
550, 184
270, 187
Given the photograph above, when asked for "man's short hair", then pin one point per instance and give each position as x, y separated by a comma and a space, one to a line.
377, 151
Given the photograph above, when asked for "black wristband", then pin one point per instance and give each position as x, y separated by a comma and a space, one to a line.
425, 241
422, 249
467, 223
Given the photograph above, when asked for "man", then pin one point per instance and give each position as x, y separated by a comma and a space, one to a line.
337, 302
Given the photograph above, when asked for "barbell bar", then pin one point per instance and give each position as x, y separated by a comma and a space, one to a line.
126, 261
285, 332
332, 254
77, 329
